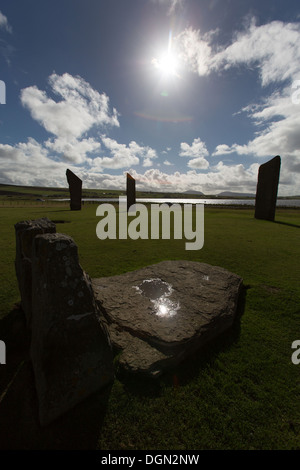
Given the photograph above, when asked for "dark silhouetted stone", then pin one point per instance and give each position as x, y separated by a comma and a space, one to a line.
75, 187
267, 187
70, 347
130, 191
25, 232
160, 314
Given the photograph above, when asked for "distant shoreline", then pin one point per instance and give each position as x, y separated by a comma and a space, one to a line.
224, 202
10, 190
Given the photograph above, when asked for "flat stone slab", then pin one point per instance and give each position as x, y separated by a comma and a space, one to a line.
158, 315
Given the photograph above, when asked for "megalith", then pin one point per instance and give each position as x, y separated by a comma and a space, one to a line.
75, 187
25, 232
165, 312
70, 347
130, 191
267, 187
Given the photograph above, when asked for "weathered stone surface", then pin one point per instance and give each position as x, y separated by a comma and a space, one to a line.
160, 314
25, 232
70, 347
130, 191
75, 187
267, 187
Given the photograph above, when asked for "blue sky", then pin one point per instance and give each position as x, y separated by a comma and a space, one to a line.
183, 94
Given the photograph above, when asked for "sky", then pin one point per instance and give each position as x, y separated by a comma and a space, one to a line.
185, 95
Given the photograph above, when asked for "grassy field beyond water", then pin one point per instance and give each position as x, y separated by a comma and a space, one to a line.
242, 392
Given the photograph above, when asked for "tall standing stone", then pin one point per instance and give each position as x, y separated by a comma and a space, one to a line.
130, 191
75, 187
25, 232
267, 187
70, 347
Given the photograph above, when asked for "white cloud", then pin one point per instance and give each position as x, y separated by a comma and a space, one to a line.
4, 23
167, 163
171, 5
223, 149
69, 120
8, 152
73, 150
199, 163
124, 156
221, 178
6, 49
38, 169
165, 152
195, 50
196, 150
80, 108
280, 135
273, 49
147, 162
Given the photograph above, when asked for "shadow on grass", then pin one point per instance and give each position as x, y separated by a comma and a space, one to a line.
55, 221
60, 210
286, 223
47, 209
77, 429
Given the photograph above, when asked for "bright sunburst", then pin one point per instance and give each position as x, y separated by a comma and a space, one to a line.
167, 63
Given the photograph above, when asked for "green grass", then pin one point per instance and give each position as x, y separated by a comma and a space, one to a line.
13, 193
242, 392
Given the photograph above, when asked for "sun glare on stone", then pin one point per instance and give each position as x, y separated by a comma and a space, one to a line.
163, 310
165, 307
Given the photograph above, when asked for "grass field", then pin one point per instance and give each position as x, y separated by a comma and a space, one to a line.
242, 392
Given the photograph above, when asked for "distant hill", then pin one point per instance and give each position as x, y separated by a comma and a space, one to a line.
231, 194
194, 192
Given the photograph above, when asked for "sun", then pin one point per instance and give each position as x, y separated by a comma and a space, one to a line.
166, 64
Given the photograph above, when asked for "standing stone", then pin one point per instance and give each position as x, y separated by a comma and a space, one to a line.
267, 187
130, 191
25, 232
70, 347
75, 187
